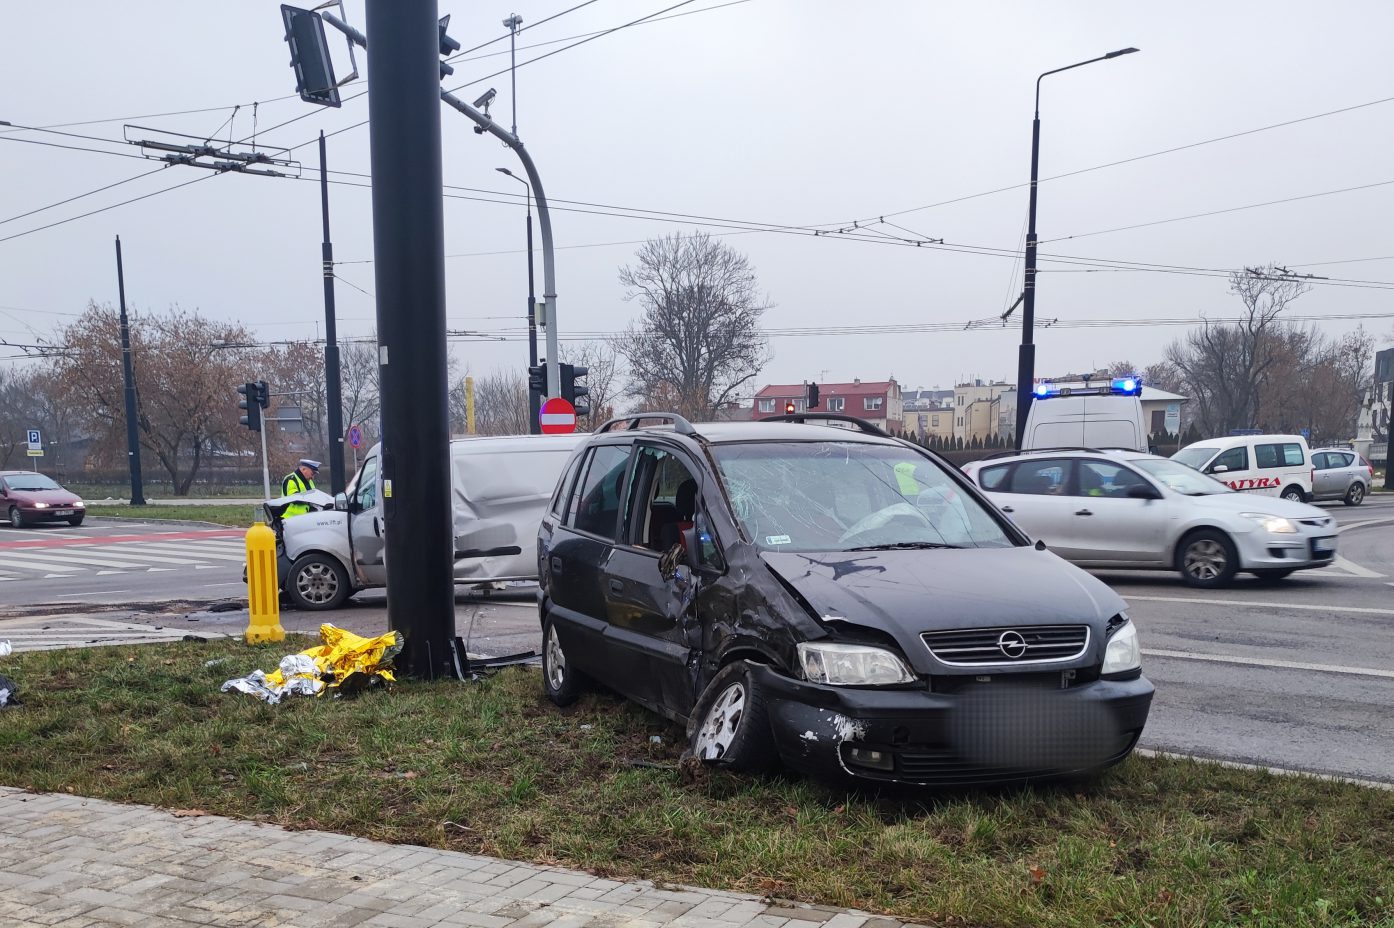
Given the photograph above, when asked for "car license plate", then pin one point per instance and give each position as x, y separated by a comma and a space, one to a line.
1323, 545
62, 512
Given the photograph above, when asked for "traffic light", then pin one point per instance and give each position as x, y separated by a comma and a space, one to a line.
309, 56
263, 394
789, 407
252, 404
448, 46
573, 392
813, 396
537, 379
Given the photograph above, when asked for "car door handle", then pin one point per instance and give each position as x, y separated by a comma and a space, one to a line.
377, 529
616, 586
1008, 509
1083, 512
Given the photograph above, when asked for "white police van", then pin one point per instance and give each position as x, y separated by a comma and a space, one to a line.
1084, 415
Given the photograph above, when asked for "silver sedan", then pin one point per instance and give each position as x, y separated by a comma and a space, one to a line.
1340, 473
1125, 509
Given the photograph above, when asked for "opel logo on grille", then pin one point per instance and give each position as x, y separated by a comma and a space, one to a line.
1012, 644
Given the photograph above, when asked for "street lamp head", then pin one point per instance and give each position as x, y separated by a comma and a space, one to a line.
504, 171
1121, 51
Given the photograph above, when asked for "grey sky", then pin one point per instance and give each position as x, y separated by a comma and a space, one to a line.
769, 111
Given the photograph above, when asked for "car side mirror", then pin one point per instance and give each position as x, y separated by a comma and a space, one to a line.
1218, 469
341, 502
693, 553
1142, 491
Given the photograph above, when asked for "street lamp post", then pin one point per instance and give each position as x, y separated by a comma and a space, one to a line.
1026, 359
534, 401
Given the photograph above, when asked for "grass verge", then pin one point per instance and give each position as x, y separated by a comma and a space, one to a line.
239, 516
493, 768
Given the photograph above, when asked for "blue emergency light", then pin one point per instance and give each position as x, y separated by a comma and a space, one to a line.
1126, 386
1121, 386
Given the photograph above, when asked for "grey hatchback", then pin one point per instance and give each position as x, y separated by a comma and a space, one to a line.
830, 597
1340, 473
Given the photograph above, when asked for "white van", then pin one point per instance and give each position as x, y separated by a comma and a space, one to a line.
1265, 465
500, 487
1086, 416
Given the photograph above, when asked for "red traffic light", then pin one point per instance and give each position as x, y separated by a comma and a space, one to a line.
789, 408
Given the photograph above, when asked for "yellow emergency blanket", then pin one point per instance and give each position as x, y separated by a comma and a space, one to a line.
344, 662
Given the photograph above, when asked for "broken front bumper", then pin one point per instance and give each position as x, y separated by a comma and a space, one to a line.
1000, 731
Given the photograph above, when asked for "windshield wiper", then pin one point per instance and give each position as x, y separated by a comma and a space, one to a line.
904, 546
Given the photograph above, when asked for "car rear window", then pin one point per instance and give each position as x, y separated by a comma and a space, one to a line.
1286, 454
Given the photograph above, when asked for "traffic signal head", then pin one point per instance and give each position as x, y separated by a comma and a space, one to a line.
789, 407
309, 56
537, 380
251, 406
813, 396
573, 392
448, 46
263, 394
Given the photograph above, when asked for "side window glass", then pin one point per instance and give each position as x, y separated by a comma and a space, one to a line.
1098, 478
662, 500
1347, 460
564, 486
709, 555
1050, 477
367, 492
573, 502
1233, 459
992, 478
1324, 461
1267, 456
1293, 455
598, 509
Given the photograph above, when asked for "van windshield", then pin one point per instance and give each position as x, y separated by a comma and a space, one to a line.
1193, 456
850, 496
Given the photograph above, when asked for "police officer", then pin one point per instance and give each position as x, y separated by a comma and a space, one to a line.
298, 481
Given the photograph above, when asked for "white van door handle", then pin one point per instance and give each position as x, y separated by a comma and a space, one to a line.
377, 529
1008, 509
1084, 512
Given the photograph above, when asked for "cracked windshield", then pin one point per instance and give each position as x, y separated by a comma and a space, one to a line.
836, 496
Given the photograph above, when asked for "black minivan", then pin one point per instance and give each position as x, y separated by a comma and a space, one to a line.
809, 589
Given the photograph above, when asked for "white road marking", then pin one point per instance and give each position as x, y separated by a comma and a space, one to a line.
1281, 771
1350, 525
22, 560
1269, 662
97, 593
84, 560
1250, 602
190, 552
1353, 568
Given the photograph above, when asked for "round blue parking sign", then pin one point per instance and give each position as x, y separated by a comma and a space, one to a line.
355, 436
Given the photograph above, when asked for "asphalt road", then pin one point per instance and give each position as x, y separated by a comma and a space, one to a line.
1297, 674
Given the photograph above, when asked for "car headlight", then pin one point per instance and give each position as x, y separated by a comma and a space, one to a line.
79, 504
1271, 523
1123, 652
851, 665
41, 505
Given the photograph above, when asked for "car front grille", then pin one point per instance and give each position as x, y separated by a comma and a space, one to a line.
1024, 645
945, 767
1316, 523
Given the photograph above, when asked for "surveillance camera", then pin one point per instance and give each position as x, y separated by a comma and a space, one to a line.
486, 98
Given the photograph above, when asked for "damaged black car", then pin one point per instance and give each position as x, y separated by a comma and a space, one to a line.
809, 590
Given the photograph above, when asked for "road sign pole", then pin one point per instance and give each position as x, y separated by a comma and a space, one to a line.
265, 464
129, 377
333, 393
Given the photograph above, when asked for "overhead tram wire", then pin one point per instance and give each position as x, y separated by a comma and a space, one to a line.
145, 196
97, 122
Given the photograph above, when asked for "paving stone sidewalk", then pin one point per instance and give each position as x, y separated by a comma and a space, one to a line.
75, 862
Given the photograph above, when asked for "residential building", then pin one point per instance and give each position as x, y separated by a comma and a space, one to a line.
877, 401
980, 409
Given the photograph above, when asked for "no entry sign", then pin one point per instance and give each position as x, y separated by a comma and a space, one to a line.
558, 417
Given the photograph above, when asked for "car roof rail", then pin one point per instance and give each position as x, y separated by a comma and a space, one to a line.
802, 417
679, 423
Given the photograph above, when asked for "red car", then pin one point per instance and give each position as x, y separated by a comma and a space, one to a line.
26, 498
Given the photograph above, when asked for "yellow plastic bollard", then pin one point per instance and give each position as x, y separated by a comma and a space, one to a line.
263, 588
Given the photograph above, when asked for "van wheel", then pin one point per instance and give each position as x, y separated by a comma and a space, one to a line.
734, 730
1295, 494
561, 681
1207, 558
1355, 495
317, 582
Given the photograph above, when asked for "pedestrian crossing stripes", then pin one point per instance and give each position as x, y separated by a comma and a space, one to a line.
91, 557
51, 633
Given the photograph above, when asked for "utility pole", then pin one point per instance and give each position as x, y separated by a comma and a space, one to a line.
512, 23
128, 374
409, 255
534, 398
331, 345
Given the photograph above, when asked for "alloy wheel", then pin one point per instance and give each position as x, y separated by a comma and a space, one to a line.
722, 722
556, 660
1206, 559
317, 583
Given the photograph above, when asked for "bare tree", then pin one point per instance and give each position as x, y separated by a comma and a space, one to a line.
698, 341
186, 377
602, 361
1226, 368
500, 403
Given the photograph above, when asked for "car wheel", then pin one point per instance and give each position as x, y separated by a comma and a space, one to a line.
734, 730
16, 517
562, 682
1273, 575
316, 582
1207, 558
1355, 495
75, 521
1295, 494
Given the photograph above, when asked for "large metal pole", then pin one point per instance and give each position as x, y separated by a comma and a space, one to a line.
128, 374
333, 395
409, 255
534, 401
1026, 358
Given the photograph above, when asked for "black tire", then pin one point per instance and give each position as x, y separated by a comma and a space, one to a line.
732, 723
1355, 495
75, 521
317, 582
1295, 494
561, 681
1274, 574
1206, 558
16, 518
